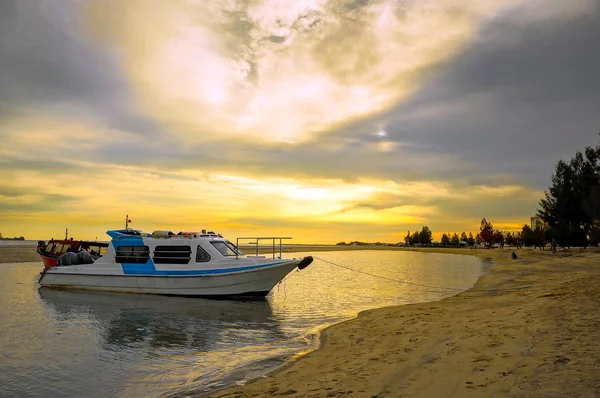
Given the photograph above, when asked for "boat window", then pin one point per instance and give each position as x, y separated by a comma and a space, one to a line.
132, 254
201, 255
235, 248
172, 254
224, 248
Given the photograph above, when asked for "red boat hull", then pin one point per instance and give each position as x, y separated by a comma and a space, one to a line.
49, 261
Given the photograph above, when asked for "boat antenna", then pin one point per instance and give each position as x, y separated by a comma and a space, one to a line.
66, 233
126, 221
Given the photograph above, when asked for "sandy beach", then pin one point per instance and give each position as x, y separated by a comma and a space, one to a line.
528, 328
18, 253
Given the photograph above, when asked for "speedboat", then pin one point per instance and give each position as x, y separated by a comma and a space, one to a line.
203, 264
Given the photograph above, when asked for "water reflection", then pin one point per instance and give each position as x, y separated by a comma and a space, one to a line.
128, 320
64, 343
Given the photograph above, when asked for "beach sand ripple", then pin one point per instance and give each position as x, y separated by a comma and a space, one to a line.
528, 328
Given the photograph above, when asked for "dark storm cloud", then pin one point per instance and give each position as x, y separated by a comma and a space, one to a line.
47, 60
514, 103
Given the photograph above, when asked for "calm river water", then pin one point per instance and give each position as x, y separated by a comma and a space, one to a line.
73, 343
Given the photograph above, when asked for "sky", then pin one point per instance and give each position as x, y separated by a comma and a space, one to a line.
325, 121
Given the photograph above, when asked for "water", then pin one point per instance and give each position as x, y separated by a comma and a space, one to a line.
76, 343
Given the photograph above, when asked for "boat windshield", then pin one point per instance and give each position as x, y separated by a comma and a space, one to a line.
226, 248
235, 248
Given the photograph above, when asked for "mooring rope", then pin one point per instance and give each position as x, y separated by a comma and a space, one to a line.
283, 281
438, 288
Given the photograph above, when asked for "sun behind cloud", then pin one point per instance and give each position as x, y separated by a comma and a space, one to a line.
278, 70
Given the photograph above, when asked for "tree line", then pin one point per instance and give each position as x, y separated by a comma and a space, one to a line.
571, 206
569, 211
424, 237
15, 238
488, 236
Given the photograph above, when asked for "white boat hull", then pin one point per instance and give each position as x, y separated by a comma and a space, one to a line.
257, 282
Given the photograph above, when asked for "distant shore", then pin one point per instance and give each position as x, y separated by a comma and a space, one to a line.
18, 253
527, 328
266, 249
24, 251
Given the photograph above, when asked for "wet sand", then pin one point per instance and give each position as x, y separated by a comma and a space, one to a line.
528, 328
18, 253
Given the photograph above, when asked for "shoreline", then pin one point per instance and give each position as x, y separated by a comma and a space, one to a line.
528, 327
525, 328
321, 332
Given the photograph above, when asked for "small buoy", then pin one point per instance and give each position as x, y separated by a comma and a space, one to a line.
514, 256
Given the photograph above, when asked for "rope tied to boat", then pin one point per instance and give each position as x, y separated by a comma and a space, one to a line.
438, 289
284, 279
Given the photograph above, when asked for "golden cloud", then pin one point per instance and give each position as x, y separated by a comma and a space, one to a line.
279, 70
99, 195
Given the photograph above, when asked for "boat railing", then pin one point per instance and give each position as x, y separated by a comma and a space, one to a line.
255, 241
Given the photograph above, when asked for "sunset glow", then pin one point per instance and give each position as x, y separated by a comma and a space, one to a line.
323, 120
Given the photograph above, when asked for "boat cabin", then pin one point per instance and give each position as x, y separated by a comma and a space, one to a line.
166, 247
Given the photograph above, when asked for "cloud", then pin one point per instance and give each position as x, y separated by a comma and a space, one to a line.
12, 200
90, 198
50, 66
275, 71
267, 115
514, 102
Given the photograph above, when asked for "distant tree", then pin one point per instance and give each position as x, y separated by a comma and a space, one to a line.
425, 235
407, 239
572, 203
509, 239
340, 244
530, 237
454, 240
445, 240
594, 236
463, 237
518, 236
592, 207
499, 238
550, 235
486, 232
414, 238
471, 240
1, 237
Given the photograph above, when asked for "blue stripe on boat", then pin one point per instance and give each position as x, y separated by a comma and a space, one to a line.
135, 269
